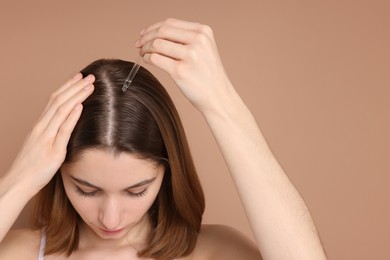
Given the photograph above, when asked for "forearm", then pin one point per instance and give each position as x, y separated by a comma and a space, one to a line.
13, 198
279, 218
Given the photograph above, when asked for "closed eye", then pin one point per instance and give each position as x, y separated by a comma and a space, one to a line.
137, 194
84, 193
93, 193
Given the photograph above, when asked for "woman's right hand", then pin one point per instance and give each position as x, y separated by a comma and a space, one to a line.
44, 149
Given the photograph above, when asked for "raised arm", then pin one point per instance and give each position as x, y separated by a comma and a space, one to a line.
277, 214
43, 151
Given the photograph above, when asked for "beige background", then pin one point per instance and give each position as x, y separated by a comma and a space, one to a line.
314, 73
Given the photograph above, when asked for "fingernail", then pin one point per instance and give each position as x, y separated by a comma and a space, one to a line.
137, 42
142, 32
88, 87
89, 78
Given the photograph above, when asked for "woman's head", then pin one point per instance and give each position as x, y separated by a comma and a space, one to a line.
120, 130
112, 195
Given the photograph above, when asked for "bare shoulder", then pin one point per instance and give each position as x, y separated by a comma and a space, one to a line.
20, 244
224, 242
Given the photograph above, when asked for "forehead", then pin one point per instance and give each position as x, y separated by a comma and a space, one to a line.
100, 163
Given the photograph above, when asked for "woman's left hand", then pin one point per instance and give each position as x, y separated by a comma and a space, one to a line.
188, 53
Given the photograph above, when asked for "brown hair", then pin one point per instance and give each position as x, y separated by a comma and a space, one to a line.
143, 121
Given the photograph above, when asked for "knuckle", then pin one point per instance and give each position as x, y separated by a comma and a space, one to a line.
192, 53
201, 38
36, 130
162, 30
61, 110
56, 101
152, 58
52, 96
156, 44
63, 129
170, 21
206, 29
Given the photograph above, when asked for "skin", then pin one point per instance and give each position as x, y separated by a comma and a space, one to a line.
279, 218
112, 206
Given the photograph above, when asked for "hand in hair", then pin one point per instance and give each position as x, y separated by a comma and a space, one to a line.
188, 53
44, 149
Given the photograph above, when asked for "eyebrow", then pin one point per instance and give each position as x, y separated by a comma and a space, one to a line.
85, 183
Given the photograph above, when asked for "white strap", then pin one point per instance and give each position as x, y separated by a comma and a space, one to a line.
42, 246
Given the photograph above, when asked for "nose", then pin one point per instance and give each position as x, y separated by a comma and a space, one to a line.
110, 214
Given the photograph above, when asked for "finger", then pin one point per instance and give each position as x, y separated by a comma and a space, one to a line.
68, 89
160, 61
186, 25
63, 111
170, 33
69, 83
66, 129
194, 26
60, 98
169, 49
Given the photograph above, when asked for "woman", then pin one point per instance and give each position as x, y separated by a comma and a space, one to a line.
117, 181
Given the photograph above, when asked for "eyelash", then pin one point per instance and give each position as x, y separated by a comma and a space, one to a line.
91, 194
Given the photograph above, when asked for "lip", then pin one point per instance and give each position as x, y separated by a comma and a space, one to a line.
111, 232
